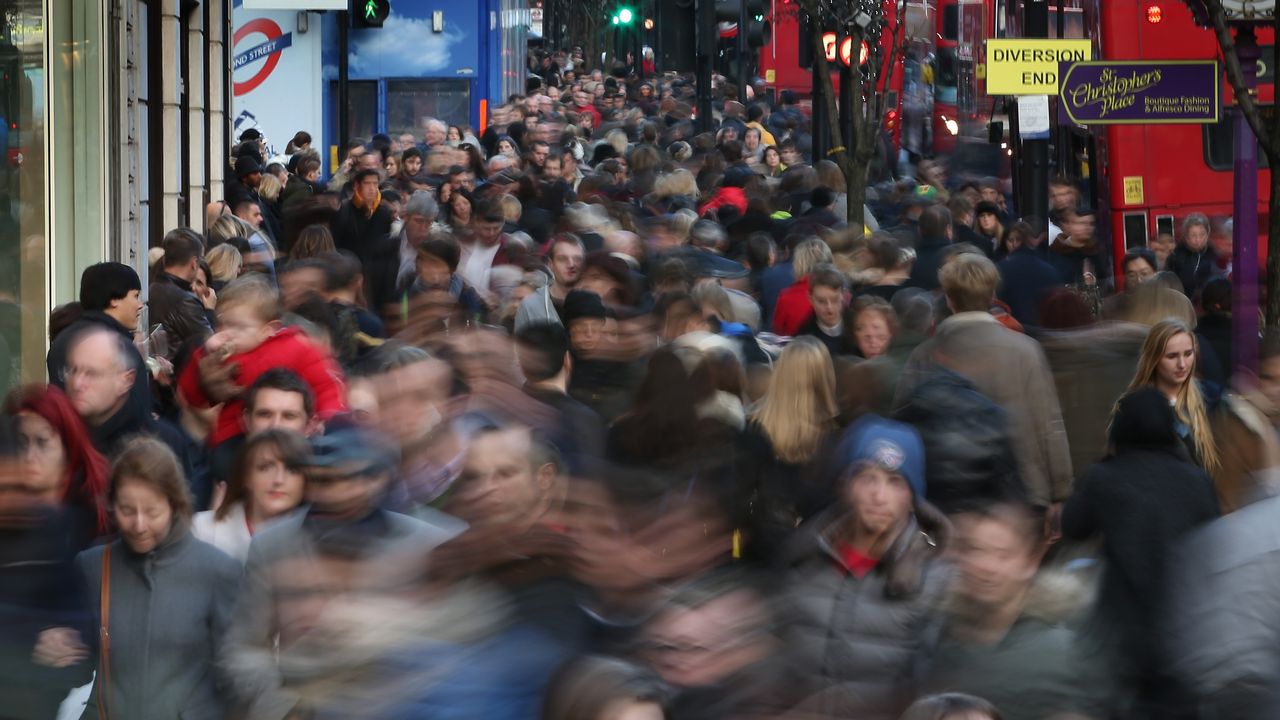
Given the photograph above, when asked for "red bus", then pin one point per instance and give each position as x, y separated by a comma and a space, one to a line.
910, 85
1170, 171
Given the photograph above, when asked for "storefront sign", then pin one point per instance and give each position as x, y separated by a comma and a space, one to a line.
1024, 66
1140, 92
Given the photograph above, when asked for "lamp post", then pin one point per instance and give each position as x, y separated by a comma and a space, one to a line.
1244, 15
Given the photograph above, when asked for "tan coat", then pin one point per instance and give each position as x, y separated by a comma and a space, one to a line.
1010, 369
1248, 445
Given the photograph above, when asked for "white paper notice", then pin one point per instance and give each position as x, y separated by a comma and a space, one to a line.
1033, 117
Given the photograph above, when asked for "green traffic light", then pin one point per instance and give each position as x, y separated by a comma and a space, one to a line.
625, 16
371, 10
615, 19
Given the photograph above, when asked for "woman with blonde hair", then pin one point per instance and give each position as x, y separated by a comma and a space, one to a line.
224, 262
1168, 364
788, 439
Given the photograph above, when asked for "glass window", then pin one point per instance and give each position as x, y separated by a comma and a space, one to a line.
951, 23
1219, 141
23, 235
410, 102
362, 108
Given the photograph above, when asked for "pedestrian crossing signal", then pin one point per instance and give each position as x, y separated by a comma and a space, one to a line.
369, 13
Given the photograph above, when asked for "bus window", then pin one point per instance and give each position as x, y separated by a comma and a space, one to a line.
945, 80
951, 23
1219, 143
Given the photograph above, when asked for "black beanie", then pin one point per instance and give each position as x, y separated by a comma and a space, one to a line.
580, 304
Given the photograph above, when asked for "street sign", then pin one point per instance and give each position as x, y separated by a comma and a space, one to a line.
829, 44
1141, 92
1028, 66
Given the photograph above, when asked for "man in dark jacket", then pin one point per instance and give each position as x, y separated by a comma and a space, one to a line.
1077, 254
935, 236
248, 176
99, 381
172, 302
827, 294
363, 227
110, 297
1025, 277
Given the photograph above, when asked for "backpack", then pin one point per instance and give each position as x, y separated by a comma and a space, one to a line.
968, 452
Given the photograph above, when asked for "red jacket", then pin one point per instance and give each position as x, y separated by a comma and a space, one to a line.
733, 196
793, 308
288, 349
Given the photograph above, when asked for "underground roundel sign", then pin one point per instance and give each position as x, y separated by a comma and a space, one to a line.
258, 44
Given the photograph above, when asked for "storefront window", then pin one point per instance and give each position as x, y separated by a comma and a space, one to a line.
23, 236
410, 102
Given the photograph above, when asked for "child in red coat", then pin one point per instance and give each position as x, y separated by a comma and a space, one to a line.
250, 341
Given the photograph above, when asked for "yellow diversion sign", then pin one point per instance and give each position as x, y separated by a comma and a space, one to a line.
1029, 66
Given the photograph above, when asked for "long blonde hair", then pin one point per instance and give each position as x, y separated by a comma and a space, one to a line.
1189, 405
800, 407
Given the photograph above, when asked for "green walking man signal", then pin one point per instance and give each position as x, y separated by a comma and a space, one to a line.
369, 13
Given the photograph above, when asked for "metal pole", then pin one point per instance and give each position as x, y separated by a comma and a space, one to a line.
1035, 153
1244, 241
706, 35
344, 119
742, 48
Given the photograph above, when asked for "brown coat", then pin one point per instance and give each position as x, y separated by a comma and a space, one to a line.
1248, 444
1010, 369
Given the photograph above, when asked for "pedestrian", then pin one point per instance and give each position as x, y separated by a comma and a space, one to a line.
161, 599
1142, 499
1007, 634
790, 435
264, 486
828, 298
1025, 278
874, 324
1194, 260
1168, 363
866, 576
61, 467
1008, 368
172, 300
603, 688
794, 308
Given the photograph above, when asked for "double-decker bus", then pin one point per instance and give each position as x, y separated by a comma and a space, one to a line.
1170, 171
908, 119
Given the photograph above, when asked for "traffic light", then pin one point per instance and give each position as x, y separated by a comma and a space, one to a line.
759, 31
369, 13
624, 16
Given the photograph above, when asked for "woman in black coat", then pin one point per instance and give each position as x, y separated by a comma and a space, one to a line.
1141, 499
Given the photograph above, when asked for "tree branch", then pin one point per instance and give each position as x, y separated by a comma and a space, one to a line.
1235, 75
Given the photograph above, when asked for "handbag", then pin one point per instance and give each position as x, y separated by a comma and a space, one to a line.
104, 636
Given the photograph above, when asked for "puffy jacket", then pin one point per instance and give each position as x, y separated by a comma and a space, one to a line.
288, 349
860, 638
968, 454
726, 196
174, 305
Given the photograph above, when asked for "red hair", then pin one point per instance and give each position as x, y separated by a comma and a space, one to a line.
86, 467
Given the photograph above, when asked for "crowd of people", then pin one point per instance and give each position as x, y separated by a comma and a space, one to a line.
592, 416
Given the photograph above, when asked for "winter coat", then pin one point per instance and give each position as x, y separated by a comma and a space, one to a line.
1010, 368
368, 236
289, 349
1025, 280
56, 362
1070, 261
1248, 445
116, 431
1224, 591
726, 197
924, 273
261, 657
38, 590
537, 308
1092, 366
837, 345
173, 304
1039, 669
170, 609
860, 638
1194, 269
968, 453
1141, 500
793, 308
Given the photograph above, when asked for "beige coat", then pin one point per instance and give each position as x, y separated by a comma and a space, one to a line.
1248, 445
1010, 369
